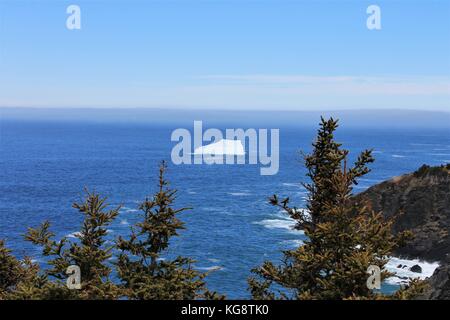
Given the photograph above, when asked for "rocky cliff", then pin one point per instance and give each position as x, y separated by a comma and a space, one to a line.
422, 199
439, 284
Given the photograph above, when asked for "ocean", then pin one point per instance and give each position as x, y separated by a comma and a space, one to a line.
44, 166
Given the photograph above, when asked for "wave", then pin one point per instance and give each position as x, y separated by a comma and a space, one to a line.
404, 274
212, 268
74, 235
286, 224
212, 209
293, 184
294, 243
128, 209
239, 194
398, 156
283, 215
124, 222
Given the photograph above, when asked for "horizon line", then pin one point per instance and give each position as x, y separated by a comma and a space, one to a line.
231, 109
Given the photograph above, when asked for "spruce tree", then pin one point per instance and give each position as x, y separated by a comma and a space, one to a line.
344, 237
144, 271
19, 279
90, 253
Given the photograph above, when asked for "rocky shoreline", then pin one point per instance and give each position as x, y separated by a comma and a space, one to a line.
421, 202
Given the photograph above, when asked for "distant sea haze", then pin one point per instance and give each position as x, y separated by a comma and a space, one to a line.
47, 159
394, 118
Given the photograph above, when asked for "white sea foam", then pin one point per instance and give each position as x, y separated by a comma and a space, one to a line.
124, 222
128, 209
404, 274
287, 224
294, 243
397, 156
213, 209
283, 214
212, 268
239, 194
74, 235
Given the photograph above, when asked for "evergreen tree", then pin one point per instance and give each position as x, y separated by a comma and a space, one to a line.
19, 279
145, 274
344, 237
90, 253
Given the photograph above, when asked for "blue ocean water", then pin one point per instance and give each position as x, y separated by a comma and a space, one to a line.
44, 167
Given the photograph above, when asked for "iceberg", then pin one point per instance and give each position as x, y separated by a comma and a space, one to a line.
222, 147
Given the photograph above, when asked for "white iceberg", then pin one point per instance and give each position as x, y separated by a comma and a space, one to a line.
222, 147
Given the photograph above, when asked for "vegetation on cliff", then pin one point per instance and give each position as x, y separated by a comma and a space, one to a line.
421, 202
344, 238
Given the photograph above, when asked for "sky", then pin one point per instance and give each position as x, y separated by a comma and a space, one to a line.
226, 54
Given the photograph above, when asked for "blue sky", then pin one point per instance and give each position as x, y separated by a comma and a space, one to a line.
258, 55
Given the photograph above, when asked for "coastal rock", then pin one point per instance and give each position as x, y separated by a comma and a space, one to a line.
422, 202
439, 284
416, 268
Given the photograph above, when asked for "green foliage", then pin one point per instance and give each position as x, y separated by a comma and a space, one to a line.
18, 279
11, 271
90, 253
144, 272
425, 170
344, 237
